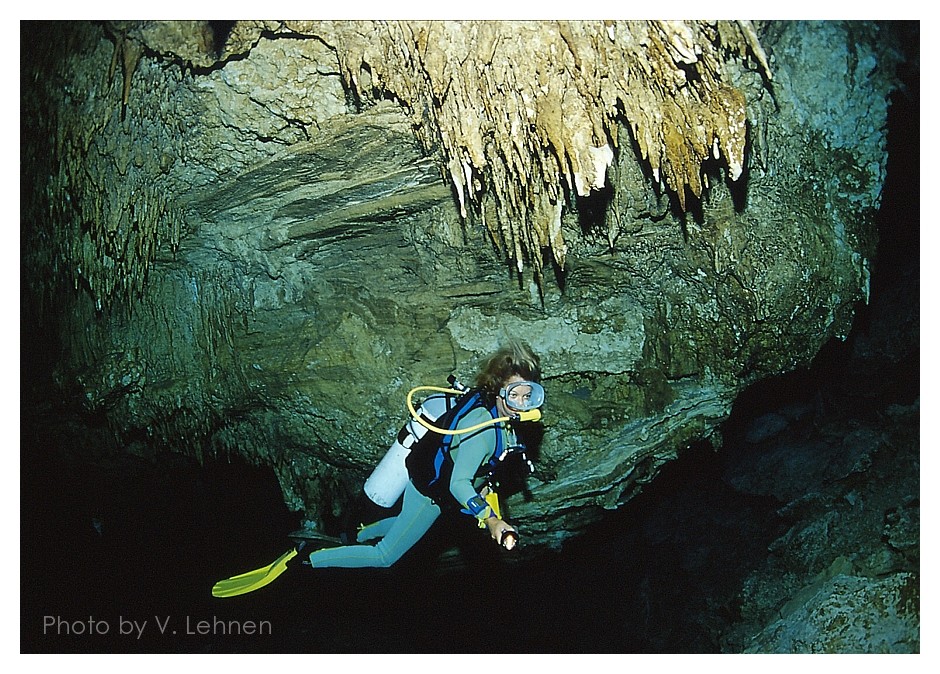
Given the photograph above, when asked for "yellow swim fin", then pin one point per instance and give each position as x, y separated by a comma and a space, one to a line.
253, 580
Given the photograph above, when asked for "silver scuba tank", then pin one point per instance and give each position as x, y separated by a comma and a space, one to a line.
389, 478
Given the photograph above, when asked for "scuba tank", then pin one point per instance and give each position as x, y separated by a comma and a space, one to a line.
387, 482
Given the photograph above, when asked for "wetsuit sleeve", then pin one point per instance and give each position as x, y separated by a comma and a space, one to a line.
473, 450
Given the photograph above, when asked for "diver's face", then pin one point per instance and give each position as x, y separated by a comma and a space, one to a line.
518, 396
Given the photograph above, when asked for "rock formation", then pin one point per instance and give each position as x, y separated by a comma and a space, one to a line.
250, 240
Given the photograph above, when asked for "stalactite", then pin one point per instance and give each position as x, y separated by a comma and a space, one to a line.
524, 114
526, 108
131, 53
112, 211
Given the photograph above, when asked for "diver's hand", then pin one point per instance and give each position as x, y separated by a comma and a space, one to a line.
502, 532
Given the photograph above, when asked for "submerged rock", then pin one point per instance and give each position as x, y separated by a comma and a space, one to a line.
848, 614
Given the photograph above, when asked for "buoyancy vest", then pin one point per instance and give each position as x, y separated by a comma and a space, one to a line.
430, 464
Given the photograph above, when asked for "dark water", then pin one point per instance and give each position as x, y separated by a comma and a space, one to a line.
141, 581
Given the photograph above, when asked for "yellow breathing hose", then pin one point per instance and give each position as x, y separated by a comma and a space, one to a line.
530, 415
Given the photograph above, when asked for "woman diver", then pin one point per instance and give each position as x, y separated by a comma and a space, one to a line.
508, 386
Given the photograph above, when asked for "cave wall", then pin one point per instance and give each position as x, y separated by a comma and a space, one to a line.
234, 252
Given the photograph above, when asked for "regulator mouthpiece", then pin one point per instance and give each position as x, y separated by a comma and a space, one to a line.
531, 415
523, 396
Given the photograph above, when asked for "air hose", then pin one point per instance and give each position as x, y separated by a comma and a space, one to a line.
530, 415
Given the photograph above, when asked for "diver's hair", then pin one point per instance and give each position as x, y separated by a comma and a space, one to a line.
514, 357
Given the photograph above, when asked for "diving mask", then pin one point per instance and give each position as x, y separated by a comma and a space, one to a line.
522, 396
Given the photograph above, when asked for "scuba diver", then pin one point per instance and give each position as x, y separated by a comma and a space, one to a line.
451, 465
